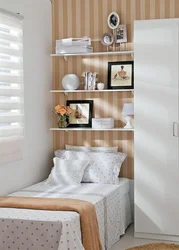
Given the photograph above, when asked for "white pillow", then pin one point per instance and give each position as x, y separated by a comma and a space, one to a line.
103, 167
67, 171
96, 149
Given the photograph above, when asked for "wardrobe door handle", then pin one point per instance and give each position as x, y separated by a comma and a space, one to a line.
175, 129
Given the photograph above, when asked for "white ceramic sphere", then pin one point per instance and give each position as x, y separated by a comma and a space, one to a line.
70, 82
100, 86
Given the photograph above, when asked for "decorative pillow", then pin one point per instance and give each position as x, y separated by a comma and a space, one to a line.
67, 171
103, 167
96, 149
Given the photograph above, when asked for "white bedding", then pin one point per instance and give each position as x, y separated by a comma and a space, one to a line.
113, 210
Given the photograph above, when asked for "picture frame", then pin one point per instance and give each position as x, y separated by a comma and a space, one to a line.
107, 39
81, 116
113, 20
121, 75
121, 34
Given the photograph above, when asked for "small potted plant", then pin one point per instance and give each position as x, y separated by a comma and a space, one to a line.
63, 113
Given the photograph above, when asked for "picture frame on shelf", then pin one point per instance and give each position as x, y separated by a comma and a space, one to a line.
107, 39
81, 116
121, 34
113, 20
121, 75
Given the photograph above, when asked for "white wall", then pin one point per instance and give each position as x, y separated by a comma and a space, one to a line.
38, 102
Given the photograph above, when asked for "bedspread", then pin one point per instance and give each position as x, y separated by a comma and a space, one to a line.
106, 199
32, 235
86, 210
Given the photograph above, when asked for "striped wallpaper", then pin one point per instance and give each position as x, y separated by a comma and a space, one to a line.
78, 18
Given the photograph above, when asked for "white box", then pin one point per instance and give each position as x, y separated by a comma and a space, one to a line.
103, 123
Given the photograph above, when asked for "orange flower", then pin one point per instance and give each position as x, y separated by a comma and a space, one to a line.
57, 108
62, 111
69, 110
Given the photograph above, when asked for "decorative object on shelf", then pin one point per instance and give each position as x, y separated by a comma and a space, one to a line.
128, 112
107, 39
63, 113
102, 123
95, 79
70, 82
86, 81
121, 75
81, 115
74, 45
100, 86
74, 41
121, 34
90, 80
113, 20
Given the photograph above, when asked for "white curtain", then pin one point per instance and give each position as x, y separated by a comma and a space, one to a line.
11, 87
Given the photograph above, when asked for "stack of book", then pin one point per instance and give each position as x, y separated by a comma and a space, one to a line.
73, 46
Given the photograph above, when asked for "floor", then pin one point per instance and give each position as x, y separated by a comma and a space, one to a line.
128, 240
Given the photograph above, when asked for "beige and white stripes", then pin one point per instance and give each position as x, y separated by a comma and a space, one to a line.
78, 18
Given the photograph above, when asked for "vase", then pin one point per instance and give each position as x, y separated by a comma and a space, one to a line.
70, 82
63, 121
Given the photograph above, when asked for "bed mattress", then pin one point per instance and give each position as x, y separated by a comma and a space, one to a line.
60, 230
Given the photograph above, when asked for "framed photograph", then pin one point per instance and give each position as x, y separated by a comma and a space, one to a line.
121, 75
113, 20
107, 39
81, 115
121, 34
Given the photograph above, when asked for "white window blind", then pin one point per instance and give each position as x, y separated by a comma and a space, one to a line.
11, 87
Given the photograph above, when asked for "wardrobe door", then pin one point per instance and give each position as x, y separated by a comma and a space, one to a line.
156, 126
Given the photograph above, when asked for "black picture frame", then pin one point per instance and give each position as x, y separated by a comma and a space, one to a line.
111, 84
83, 125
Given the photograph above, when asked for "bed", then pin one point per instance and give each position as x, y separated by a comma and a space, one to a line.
24, 229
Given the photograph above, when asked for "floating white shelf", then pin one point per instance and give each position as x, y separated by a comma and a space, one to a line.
91, 91
90, 129
113, 53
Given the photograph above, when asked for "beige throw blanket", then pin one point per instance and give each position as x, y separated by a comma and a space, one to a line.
86, 210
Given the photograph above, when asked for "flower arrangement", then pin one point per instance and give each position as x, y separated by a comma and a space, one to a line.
63, 112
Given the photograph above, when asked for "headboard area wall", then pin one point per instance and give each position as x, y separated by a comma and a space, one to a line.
79, 18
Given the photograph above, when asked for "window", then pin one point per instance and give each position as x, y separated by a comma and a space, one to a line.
11, 86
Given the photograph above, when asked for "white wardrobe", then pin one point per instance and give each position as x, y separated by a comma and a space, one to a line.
156, 52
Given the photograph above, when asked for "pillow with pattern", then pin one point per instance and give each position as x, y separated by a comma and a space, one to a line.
67, 172
103, 167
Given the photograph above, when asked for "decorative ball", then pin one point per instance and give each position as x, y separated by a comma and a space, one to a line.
70, 82
100, 86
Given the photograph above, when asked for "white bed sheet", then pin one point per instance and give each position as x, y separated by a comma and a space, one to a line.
124, 184
113, 210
